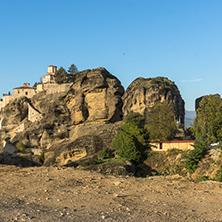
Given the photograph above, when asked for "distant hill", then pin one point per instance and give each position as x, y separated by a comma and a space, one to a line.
189, 116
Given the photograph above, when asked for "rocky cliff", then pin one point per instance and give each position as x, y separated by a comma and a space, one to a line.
142, 94
95, 95
74, 125
68, 119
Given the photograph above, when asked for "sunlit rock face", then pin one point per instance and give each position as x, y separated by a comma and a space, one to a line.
95, 96
142, 94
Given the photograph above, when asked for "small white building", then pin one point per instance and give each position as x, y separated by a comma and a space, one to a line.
50, 76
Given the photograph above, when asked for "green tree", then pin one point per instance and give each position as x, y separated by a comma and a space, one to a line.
135, 118
36, 83
127, 146
194, 156
131, 138
61, 76
207, 125
72, 69
161, 124
207, 128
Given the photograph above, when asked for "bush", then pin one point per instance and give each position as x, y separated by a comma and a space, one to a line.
219, 174
42, 157
127, 146
195, 155
135, 118
20, 146
105, 153
134, 130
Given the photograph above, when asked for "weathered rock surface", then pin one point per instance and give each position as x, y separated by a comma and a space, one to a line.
72, 123
15, 112
142, 94
123, 168
95, 95
85, 147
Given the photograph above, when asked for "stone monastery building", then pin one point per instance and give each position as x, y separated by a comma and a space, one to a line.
50, 76
48, 84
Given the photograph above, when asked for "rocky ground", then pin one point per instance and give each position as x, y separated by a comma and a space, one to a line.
68, 194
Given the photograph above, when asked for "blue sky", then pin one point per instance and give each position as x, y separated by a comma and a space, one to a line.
178, 39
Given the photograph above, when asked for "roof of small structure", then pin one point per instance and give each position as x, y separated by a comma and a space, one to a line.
25, 87
51, 66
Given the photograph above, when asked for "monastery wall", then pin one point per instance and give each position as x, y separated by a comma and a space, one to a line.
52, 88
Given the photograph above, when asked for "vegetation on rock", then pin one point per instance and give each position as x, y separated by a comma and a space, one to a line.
105, 153
73, 69
20, 146
61, 76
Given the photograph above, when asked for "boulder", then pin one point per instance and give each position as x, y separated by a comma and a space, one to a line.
142, 95
95, 96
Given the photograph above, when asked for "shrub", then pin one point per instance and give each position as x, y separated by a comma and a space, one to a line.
127, 146
203, 178
195, 155
42, 157
219, 174
135, 118
105, 153
20, 146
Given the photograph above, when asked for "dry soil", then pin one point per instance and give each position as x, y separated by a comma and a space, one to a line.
68, 194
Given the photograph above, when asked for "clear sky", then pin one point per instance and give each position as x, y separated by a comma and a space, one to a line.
178, 39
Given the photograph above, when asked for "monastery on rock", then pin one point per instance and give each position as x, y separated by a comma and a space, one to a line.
48, 84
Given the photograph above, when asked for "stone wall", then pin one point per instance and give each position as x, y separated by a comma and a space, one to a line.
5, 100
33, 115
52, 88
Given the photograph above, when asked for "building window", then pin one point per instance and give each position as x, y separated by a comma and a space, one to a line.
18, 92
26, 93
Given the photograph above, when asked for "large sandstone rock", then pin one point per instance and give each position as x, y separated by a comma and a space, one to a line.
15, 112
142, 94
83, 147
95, 96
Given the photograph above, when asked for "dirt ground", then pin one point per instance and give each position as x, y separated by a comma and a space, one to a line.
68, 194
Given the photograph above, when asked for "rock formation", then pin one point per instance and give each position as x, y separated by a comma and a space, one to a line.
72, 122
142, 94
95, 95
70, 127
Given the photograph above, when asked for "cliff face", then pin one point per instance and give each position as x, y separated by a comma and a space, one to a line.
142, 94
63, 117
70, 125
95, 95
